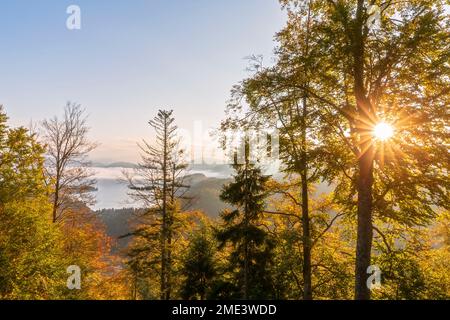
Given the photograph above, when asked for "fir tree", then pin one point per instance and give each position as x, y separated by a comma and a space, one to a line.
251, 255
199, 266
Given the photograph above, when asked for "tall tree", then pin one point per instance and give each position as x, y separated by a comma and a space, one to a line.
252, 247
278, 97
396, 73
67, 165
159, 184
31, 259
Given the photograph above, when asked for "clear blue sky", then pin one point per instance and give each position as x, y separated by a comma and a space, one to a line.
129, 59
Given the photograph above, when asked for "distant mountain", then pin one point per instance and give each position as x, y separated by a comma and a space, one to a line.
205, 192
118, 224
216, 169
120, 164
222, 170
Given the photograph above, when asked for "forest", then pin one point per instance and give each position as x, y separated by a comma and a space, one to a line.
358, 94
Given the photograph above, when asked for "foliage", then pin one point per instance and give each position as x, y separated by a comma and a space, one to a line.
31, 259
252, 248
199, 265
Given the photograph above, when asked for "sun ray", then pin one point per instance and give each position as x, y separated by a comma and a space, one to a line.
367, 146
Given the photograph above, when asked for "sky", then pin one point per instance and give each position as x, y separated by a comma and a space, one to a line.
129, 59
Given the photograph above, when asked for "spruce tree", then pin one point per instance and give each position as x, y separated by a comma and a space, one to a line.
159, 185
251, 254
199, 266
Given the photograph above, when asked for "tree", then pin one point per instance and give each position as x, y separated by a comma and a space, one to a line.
394, 73
158, 185
67, 166
414, 260
330, 246
252, 247
199, 266
31, 259
21, 162
87, 246
279, 97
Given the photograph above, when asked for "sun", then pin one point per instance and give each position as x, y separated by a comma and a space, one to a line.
383, 131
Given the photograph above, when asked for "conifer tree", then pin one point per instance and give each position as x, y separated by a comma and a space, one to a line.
252, 247
199, 266
159, 185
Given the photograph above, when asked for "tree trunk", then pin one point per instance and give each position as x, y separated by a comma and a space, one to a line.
365, 160
246, 296
307, 282
307, 286
364, 236
246, 223
170, 219
164, 218
169, 257
55, 200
